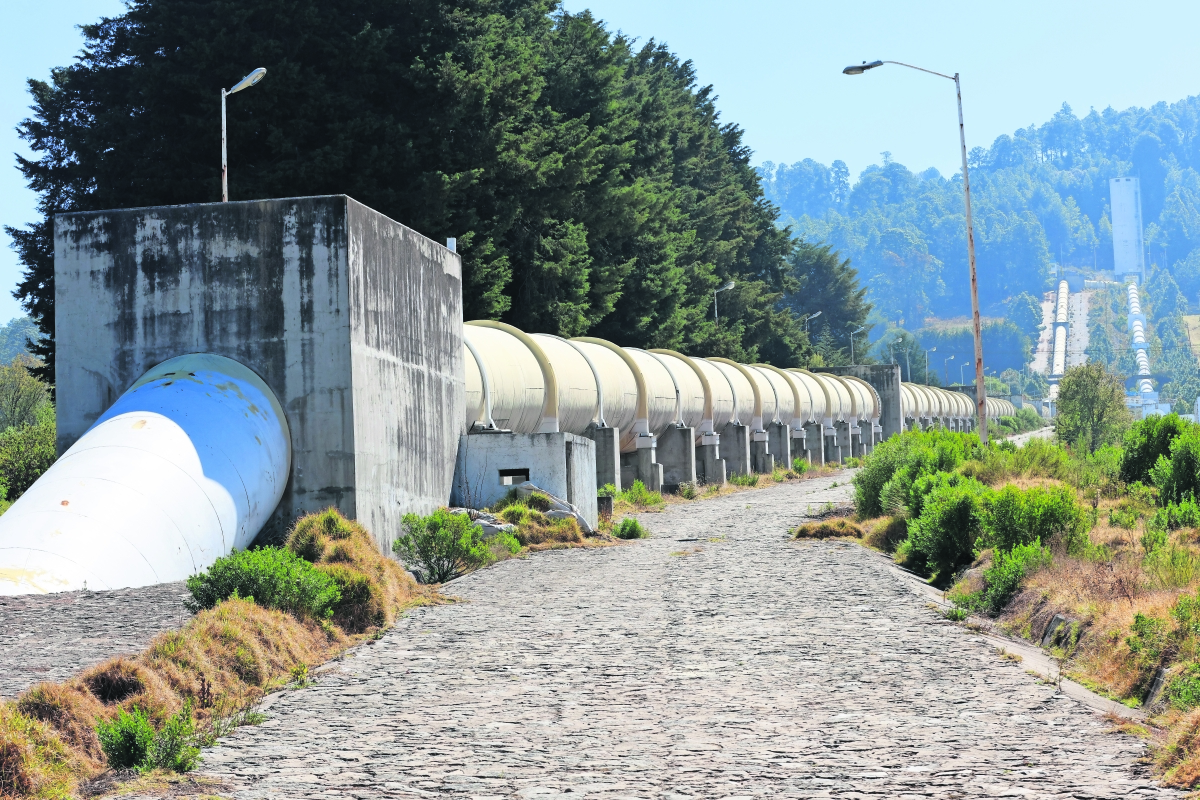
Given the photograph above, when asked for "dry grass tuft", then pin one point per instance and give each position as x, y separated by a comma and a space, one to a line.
840, 527
224, 660
885, 533
34, 762
538, 531
71, 710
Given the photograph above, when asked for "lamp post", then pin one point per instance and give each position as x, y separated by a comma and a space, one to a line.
807, 318
980, 390
961, 380
245, 83
907, 361
852, 333
724, 288
927, 352
946, 367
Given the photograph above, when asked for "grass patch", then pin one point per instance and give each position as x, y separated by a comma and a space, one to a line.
630, 528
839, 528
193, 685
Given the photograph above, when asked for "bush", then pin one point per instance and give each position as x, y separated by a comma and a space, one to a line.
443, 546
1019, 517
607, 490
1003, 577
126, 740
799, 466
1126, 518
360, 603
274, 577
173, 746
904, 458
1145, 442
829, 529
687, 491
743, 480
1178, 476
951, 521
887, 534
1183, 691
1172, 516
630, 528
1148, 641
505, 542
25, 453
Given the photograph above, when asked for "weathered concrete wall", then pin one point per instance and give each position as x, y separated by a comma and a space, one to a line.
563, 464
293, 289
886, 380
405, 297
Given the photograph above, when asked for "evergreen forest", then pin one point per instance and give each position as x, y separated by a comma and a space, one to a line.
590, 183
1040, 199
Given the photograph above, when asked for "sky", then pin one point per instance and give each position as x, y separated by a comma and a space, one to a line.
776, 67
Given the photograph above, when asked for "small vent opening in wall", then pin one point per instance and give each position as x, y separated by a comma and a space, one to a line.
511, 477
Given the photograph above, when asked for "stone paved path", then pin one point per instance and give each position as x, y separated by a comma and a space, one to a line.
715, 660
52, 637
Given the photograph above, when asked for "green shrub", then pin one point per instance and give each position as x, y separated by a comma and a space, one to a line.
688, 491
607, 490
951, 521
1052, 515
1145, 442
1171, 565
273, 576
956, 614
539, 502
743, 480
1003, 577
1126, 518
25, 453
442, 546
1174, 516
1149, 639
505, 542
173, 746
1154, 539
360, 603
126, 740
799, 466
1178, 476
630, 528
1183, 691
905, 458
638, 495
911, 559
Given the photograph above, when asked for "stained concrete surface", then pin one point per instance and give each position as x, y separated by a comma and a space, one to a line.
716, 659
352, 319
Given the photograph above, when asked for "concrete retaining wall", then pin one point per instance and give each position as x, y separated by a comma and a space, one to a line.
353, 320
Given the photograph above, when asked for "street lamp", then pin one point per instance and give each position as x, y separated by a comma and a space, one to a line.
906, 359
860, 330
724, 288
927, 352
946, 367
807, 318
980, 391
961, 380
245, 83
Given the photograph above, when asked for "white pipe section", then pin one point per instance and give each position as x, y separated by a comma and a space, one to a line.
187, 465
1138, 330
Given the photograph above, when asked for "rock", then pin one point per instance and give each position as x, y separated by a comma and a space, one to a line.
556, 504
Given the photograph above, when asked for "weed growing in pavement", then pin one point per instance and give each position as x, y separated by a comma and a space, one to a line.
630, 528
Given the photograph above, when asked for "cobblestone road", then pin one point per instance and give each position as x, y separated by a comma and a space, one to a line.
714, 660
52, 637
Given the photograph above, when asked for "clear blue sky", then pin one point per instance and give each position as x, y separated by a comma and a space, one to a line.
777, 68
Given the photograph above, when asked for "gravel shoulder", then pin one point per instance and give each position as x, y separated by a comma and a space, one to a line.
716, 659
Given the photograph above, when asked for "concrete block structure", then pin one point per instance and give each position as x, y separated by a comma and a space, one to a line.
353, 320
490, 464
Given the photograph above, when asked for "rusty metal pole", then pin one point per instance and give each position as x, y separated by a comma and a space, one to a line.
980, 385
224, 155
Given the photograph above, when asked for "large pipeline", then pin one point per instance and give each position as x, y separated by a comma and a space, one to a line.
595, 382
1058, 364
188, 464
1137, 328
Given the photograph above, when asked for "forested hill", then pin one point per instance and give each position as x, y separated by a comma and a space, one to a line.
1039, 195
